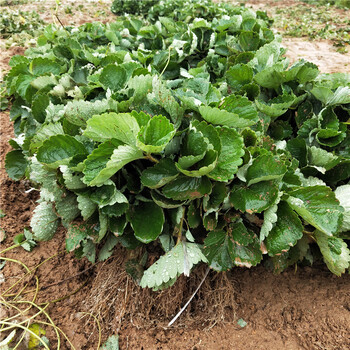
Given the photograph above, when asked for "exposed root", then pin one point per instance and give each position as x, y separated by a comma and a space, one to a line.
117, 299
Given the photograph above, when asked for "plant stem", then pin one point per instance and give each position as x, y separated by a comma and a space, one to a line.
179, 235
151, 158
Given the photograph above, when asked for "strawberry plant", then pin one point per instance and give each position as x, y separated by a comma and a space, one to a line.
195, 141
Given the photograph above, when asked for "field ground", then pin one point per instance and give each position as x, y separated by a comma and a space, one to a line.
307, 308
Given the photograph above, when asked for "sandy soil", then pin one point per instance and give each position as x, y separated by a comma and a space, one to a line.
307, 308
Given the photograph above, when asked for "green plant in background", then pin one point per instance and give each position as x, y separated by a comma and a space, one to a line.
135, 7
192, 139
17, 21
338, 3
12, 2
315, 22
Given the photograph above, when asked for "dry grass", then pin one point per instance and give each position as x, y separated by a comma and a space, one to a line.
116, 298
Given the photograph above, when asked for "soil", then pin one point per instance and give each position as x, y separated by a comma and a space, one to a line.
304, 308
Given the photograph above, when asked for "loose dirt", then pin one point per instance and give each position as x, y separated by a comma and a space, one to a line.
307, 308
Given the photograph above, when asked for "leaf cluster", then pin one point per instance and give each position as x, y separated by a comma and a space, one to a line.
193, 138
17, 21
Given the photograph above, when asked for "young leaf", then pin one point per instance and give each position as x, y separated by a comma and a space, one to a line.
277, 106
147, 221
154, 137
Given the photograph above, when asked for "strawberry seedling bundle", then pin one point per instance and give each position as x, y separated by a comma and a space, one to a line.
193, 139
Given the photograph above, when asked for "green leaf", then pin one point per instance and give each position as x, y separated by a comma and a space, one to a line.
34, 342
78, 112
141, 85
236, 247
89, 250
287, 231
163, 96
112, 343
277, 106
264, 168
154, 137
98, 160
39, 105
249, 40
43, 133
121, 156
44, 222
122, 127
194, 218
41, 66
241, 106
239, 75
44, 81
103, 226
210, 133
270, 218
160, 174
177, 261
107, 194
148, 230
59, 150
164, 202
183, 188
72, 180
15, 164
67, 207
113, 77
255, 198
292, 256
335, 252
218, 116
216, 197
107, 249
203, 167
342, 194
230, 156
77, 233
321, 159
340, 96
318, 206
86, 206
